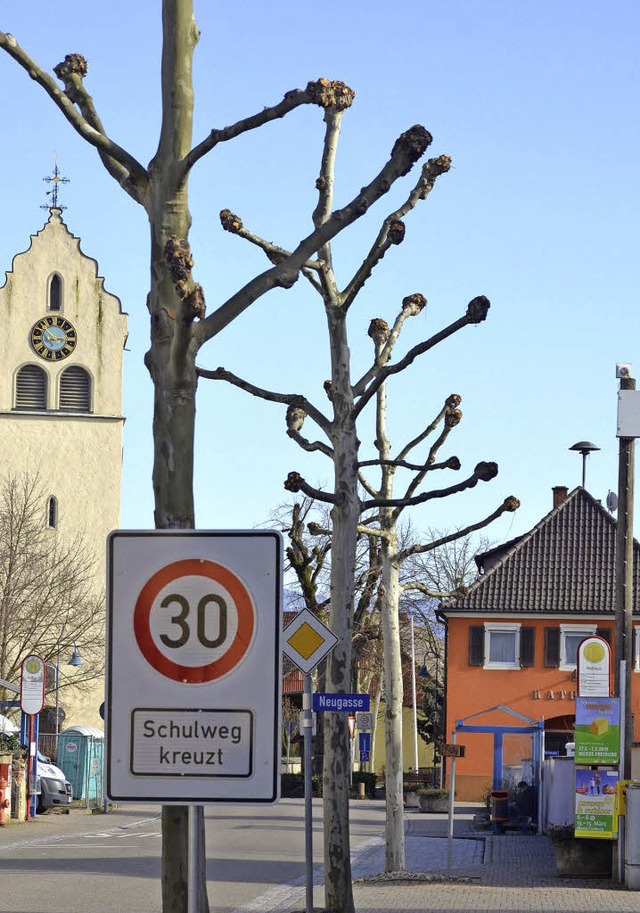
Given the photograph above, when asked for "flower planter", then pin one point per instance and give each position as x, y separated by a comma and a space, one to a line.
583, 857
434, 804
411, 799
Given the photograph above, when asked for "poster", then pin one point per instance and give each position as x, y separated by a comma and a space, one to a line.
596, 811
597, 730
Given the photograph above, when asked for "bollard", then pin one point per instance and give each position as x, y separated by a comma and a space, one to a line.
361, 791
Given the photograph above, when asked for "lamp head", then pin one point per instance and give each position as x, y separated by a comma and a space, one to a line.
75, 658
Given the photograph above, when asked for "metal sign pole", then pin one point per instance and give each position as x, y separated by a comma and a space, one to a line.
193, 851
307, 723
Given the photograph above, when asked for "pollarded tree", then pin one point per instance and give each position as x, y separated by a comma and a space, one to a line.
348, 398
176, 302
383, 522
47, 587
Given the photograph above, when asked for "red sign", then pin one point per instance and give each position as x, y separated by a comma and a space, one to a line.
187, 613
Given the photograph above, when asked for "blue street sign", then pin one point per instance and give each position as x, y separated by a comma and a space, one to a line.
365, 755
340, 703
364, 741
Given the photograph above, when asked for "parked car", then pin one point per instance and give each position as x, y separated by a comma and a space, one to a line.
52, 787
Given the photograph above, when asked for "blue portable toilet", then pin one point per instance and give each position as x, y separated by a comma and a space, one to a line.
81, 757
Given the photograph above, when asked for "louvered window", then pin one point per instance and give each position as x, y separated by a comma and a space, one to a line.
55, 293
75, 390
31, 388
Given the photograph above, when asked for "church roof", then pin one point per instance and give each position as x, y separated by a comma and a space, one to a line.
565, 564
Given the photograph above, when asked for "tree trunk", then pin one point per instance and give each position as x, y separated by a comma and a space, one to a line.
170, 362
394, 851
345, 516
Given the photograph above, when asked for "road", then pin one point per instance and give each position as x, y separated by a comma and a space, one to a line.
100, 863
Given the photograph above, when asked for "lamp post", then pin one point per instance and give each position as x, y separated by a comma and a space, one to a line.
435, 714
413, 699
74, 661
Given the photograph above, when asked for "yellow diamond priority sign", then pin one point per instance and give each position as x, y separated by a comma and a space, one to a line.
306, 641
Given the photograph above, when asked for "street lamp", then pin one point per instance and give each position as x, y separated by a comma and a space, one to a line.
74, 661
435, 717
413, 699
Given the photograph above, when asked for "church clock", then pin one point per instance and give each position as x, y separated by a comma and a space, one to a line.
53, 338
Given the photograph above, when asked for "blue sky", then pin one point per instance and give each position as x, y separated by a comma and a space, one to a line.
537, 105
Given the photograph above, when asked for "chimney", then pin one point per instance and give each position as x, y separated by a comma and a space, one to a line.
560, 493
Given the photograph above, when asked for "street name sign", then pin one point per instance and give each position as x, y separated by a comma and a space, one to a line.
193, 666
340, 703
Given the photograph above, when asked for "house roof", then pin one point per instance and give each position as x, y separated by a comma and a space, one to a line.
565, 564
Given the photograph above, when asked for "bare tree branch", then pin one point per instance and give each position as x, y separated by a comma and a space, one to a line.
295, 483
476, 313
509, 505
483, 472
407, 149
288, 399
316, 93
79, 123
392, 230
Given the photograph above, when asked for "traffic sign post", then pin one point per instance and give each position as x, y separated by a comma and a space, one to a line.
193, 666
306, 641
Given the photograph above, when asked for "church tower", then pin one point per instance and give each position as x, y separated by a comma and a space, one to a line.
61, 350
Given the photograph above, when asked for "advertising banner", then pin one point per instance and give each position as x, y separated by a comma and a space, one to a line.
597, 730
596, 812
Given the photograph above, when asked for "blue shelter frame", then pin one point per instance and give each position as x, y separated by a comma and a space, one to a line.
535, 728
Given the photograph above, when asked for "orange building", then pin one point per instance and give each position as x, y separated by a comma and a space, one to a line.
512, 640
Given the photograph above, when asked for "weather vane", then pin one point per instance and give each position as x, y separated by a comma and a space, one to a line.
54, 179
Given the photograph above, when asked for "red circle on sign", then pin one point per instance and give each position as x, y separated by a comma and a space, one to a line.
194, 567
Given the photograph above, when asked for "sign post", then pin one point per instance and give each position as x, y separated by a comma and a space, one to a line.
306, 642
32, 686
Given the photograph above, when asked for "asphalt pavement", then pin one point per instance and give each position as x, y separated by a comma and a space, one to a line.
99, 863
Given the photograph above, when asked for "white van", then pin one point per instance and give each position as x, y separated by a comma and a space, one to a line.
52, 787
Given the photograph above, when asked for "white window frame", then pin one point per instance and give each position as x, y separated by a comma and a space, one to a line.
584, 630
636, 648
501, 628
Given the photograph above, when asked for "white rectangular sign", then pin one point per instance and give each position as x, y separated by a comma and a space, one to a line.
192, 743
193, 666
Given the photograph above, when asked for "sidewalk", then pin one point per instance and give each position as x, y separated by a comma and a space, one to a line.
502, 873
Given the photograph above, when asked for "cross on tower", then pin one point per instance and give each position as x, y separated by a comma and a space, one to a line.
54, 179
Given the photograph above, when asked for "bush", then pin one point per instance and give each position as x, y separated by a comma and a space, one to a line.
430, 793
10, 744
292, 786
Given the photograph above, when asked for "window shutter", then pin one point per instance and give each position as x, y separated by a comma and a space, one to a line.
604, 633
551, 647
31, 388
476, 645
75, 390
527, 646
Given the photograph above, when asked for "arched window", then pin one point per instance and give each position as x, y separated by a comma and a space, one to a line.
52, 512
55, 293
75, 390
31, 388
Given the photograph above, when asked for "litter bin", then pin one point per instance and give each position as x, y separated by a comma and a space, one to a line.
499, 805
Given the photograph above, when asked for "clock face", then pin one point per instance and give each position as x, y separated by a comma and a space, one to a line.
53, 338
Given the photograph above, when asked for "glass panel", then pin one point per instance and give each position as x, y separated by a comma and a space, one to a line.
502, 647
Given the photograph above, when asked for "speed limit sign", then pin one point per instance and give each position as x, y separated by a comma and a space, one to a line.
193, 666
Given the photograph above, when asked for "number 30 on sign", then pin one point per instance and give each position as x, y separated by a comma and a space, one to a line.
194, 620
